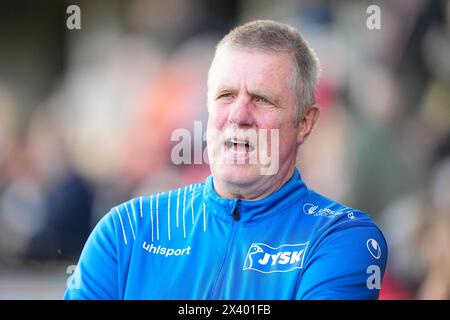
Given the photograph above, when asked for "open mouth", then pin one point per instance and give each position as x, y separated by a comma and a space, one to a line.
237, 145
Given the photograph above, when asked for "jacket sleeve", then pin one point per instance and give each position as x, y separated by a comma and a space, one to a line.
348, 263
96, 275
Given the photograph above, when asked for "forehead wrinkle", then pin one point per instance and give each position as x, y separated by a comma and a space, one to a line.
254, 81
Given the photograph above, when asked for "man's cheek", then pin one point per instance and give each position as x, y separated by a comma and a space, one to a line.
269, 151
214, 143
218, 118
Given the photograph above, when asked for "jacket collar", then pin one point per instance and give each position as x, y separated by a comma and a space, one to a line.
250, 211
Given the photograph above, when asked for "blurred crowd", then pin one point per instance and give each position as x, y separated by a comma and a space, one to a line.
88, 123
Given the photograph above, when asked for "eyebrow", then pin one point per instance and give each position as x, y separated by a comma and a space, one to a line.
253, 93
265, 95
226, 89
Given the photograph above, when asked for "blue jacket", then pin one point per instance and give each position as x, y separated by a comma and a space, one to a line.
190, 243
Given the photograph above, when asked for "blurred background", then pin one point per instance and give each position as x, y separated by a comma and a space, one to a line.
86, 118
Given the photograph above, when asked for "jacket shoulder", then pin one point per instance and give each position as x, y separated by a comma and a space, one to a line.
142, 211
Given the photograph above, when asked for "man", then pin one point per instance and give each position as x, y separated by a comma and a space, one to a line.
252, 230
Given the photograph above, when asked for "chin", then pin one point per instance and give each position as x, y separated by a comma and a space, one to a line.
238, 174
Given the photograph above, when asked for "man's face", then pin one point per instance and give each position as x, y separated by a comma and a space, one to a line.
249, 91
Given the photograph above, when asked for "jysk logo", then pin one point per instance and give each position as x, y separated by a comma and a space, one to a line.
266, 259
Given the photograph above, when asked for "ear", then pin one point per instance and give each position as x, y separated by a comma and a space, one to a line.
307, 122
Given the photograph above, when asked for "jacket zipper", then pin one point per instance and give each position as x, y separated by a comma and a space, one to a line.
236, 217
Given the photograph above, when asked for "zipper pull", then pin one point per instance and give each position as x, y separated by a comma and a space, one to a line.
236, 214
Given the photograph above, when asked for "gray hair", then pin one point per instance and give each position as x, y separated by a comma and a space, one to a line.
274, 37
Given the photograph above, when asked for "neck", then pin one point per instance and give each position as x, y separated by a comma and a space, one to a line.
255, 191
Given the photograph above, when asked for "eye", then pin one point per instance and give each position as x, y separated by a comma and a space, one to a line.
225, 97
262, 100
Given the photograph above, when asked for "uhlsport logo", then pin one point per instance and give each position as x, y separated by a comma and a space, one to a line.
266, 259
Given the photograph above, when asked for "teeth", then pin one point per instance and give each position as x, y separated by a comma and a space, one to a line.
238, 141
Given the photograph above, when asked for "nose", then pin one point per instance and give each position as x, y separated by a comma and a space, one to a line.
240, 113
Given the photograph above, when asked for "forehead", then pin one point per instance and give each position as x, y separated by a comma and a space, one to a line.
234, 66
